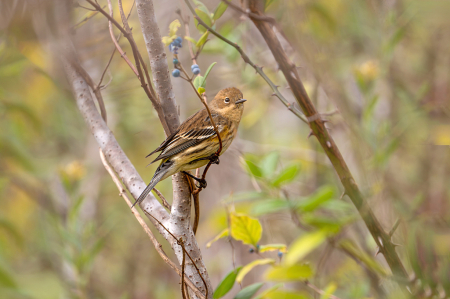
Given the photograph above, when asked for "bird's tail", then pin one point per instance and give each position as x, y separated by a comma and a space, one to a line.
159, 174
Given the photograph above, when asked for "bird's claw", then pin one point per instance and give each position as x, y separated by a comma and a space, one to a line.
202, 184
214, 159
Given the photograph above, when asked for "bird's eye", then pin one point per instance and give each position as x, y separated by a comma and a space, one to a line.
227, 100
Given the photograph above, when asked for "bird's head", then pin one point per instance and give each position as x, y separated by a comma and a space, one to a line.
230, 102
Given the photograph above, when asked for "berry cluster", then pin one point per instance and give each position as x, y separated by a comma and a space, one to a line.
175, 45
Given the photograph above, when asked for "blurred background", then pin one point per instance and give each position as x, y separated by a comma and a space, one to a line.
380, 69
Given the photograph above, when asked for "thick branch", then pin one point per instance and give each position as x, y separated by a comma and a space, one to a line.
326, 141
158, 62
179, 223
108, 143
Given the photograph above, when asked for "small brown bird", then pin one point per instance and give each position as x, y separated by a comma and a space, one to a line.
194, 143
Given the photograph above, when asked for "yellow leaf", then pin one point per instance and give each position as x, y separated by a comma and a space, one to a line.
246, 229
173, 27
222, 234
247, 268
201, 90
273, 247
289, 273
168, 40
304, 245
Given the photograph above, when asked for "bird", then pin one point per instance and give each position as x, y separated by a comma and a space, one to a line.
195, 143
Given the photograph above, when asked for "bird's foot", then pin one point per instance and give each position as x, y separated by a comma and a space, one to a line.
214, 159
202, 182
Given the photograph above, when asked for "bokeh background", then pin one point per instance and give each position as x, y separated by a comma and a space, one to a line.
380, 69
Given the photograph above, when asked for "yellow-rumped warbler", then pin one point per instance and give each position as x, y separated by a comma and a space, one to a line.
194, 143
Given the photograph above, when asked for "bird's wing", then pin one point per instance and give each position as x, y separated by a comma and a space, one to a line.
191, 132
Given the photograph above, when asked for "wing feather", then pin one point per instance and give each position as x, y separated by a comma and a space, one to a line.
186, 136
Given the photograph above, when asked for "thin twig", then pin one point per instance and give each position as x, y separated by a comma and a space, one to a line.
258, 69
80, 23
163, 199
115, 47
144, 225
128, 35
185, 19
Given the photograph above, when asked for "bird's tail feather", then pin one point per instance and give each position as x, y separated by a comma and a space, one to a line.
160, 172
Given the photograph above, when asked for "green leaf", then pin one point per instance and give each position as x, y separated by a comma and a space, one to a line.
329, 290
220, 9
193, 41
226, 284
316, 200
304, 245
269, 164
206, 18
199, 27
268, 291
253, 169
287, 175
247, 268
245, 196
248, 292
289, 273
198, 82
273, 247
207, 73
202, 6
202, 39
271, 206
246, 229
222, 234
201, 90
201, 81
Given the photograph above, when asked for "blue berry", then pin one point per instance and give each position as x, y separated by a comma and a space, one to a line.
175, 61
196, 71
280, 254
178, 41
176, 73
194, 66
251, 250
173, 48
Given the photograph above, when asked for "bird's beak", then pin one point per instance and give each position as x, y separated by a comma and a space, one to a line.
240, 101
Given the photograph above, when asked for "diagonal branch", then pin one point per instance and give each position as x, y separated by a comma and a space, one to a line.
147, 230
326, 141
258, 69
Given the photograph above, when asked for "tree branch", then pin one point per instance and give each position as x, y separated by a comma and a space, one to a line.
179, 223
258, 69
319, 130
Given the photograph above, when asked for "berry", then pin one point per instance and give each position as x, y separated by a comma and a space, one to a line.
196, 71
175, 61
194, 66
173, 48
280, 254
176, 73
178, 41
251, 250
